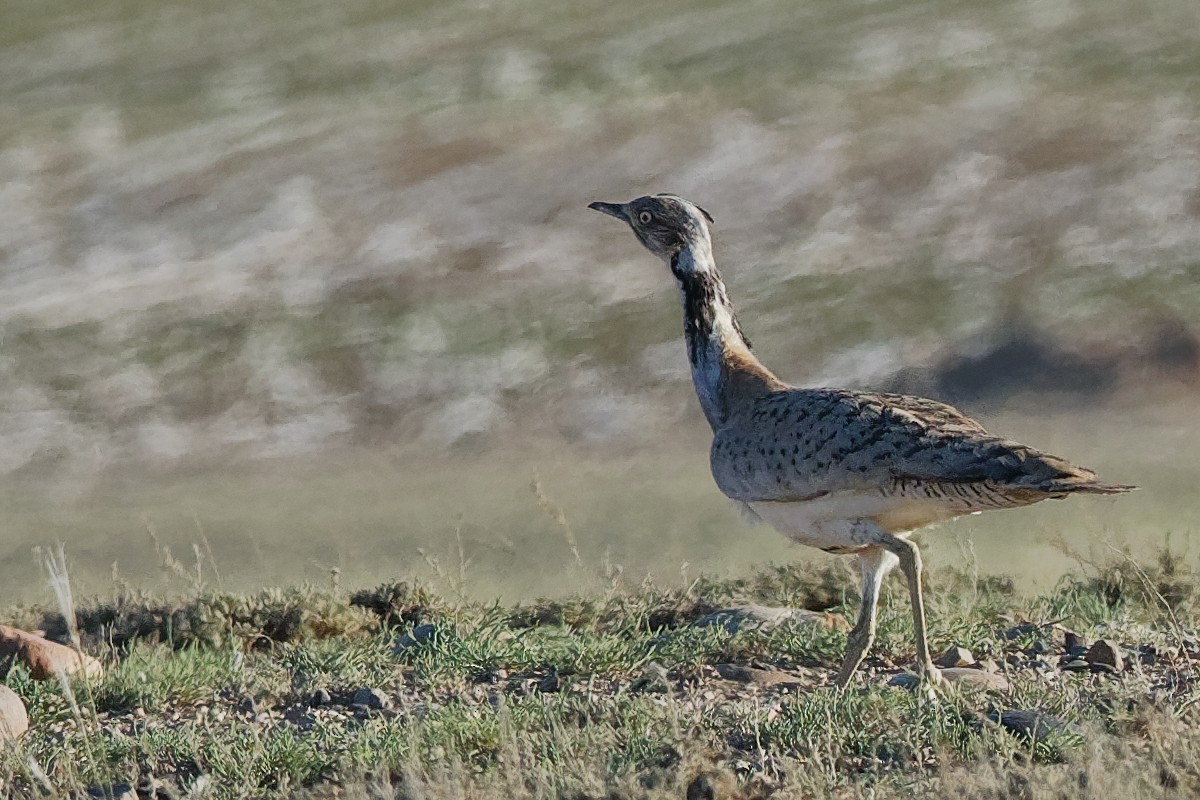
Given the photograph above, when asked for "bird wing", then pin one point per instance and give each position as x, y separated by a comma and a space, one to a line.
798, 444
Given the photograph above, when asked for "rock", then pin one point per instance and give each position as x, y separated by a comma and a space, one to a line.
757, 677
371, 698
14, 721
421, 634
550, 684
988, 665
1106, 653
766, 618
1077, 665
43, 658
959, 676
320, 697
955, 657
700, 789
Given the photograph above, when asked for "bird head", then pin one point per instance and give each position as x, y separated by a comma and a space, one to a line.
665, 224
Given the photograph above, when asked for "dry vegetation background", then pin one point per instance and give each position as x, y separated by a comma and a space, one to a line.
312, 285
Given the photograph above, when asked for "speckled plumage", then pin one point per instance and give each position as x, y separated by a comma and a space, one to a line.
845, 471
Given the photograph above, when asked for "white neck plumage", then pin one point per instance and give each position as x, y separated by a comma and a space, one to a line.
723, 367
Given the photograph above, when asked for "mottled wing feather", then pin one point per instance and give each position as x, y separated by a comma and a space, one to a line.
801, 443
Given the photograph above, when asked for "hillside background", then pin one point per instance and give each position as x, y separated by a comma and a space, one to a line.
294, 288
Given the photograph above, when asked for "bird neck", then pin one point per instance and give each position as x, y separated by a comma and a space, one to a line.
724, 370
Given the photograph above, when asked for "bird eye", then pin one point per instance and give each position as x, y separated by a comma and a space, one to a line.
644, 217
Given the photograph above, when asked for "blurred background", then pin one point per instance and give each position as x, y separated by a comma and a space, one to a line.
308, 291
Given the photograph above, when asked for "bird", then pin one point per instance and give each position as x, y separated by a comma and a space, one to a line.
848, 472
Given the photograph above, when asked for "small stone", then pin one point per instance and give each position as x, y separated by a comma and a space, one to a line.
1106, 652
1077, 665
14, 720
43, 658
371, 698
955, 657
320, 697
550, 684
988, 665
1040, 647
1073, 643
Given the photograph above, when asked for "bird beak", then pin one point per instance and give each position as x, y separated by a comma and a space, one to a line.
612, 209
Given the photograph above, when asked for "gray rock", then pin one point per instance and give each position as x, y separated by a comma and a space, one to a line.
1106, 653
371, 698
320, 697
1077, 665
1074, 644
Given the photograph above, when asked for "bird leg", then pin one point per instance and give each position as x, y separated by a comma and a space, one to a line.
874, 563
910, 565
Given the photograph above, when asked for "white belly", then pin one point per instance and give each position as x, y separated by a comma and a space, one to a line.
813, 522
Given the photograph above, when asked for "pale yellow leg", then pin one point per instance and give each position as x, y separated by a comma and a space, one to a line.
874, 563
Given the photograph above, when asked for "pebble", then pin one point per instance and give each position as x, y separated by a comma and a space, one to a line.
1077, 665
321, 697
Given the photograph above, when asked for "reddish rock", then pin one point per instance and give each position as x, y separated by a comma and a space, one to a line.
43, 658
13, 719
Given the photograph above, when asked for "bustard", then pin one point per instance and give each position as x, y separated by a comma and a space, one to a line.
848, 472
